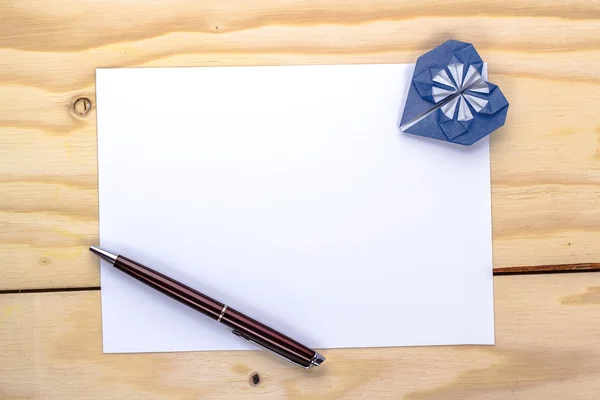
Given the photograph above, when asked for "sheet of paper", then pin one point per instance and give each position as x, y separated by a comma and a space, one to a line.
290, 194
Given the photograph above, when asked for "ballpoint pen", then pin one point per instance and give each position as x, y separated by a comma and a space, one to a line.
242, 326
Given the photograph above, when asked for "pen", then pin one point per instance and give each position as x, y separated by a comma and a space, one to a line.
242, 326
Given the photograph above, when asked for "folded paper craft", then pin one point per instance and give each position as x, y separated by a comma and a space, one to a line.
448, 98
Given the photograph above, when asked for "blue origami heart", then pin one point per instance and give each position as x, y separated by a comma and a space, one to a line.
449, 99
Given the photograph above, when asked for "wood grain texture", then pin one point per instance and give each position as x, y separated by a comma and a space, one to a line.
544, 54
547, 332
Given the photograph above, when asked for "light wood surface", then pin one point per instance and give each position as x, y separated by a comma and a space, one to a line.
545, 55
547, 348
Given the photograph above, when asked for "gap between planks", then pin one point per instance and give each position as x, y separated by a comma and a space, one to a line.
518, 270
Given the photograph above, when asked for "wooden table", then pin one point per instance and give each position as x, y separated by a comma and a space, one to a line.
545, 55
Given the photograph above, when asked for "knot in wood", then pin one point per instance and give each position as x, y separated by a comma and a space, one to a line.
82, 106
254, 379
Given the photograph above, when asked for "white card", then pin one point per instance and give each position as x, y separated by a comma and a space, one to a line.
290, 194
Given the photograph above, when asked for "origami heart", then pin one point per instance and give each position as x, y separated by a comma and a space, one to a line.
449, 99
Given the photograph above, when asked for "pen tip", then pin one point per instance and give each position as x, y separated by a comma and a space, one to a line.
317, 360
104, 254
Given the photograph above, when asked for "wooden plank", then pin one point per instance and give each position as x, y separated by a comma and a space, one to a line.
547, 348
544, 55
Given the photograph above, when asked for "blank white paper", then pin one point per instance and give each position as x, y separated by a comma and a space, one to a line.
290, 194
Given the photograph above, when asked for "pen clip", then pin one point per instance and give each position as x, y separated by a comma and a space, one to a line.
271, 351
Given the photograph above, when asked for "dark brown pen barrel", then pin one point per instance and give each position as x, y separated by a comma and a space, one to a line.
248, 328
268, 337
170, 287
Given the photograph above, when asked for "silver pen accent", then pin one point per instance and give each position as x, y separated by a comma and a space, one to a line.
105, 255
222, 313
